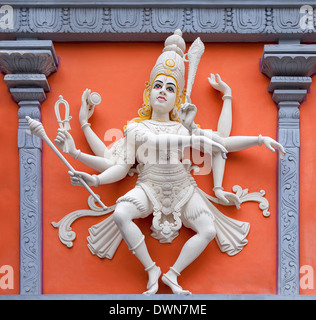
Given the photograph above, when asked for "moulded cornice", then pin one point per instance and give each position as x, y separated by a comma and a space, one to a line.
245, 21
163, 3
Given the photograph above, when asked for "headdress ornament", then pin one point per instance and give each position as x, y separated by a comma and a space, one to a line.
171, 61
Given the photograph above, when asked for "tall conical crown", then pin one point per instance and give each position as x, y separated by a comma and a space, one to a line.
171, 61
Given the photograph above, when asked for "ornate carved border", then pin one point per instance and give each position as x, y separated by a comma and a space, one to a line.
63, 22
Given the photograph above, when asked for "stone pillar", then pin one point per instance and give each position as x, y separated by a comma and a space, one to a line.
26, 65
289, 66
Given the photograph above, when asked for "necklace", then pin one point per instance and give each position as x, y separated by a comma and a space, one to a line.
161, 120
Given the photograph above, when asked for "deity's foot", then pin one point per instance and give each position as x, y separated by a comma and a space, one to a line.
176, 289
152, 285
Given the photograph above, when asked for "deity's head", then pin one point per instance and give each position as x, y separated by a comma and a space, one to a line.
171, 61
168, 71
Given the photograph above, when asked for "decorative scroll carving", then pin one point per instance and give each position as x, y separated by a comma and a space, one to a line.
288, 223
245, 196
30, 227
65, 233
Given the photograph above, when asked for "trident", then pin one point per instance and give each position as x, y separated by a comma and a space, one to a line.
63, 124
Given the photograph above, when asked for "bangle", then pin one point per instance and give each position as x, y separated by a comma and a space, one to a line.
97, 179
85, 125
76, 156
220, 188
260, 140
227, 97
194, 126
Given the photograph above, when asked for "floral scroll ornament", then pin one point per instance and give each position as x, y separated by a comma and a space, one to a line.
242, 194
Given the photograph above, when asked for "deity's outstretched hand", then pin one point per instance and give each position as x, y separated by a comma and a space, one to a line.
86, 111
218, 84
64, 137
271, 144
187, 114
227, 197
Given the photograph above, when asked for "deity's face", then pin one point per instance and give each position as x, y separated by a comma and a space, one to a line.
163, 94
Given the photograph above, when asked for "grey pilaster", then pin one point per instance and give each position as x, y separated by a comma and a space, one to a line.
289, 66
26, 64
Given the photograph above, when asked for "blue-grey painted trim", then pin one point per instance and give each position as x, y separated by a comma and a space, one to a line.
163, 3
30, 154
214, 24
26, 65
289, 66
288, 206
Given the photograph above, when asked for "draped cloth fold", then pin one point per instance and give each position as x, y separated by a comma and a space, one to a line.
104, 238
230, 233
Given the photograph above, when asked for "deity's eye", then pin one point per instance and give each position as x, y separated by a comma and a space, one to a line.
170, 89
157, 86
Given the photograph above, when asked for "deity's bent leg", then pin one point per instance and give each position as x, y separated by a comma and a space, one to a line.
133, 205
205, 232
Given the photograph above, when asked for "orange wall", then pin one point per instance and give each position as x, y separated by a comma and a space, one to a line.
118, 72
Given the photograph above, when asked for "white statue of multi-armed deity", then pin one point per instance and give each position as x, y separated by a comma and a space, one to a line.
153, 147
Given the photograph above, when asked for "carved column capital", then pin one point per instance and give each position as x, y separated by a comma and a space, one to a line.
28, 57
289, 60
26, 65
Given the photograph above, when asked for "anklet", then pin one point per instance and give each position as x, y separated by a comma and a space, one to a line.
87, 124
150, 267
175, 271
